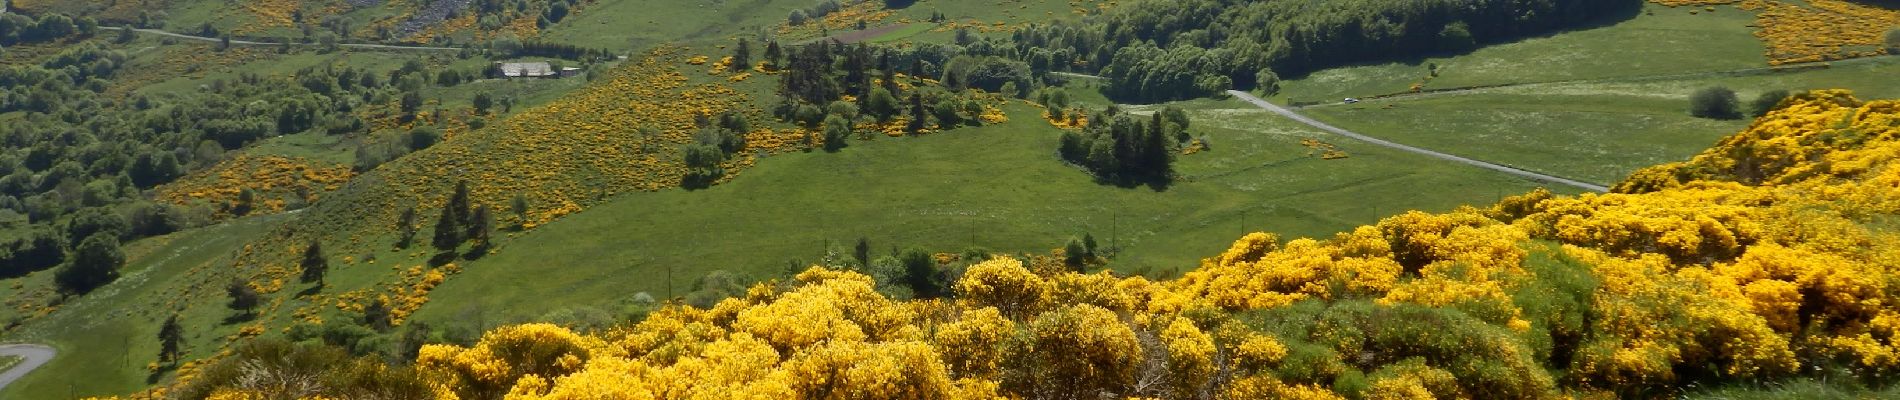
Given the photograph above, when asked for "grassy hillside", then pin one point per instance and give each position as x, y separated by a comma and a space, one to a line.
1764, 267
105, 338
997, 187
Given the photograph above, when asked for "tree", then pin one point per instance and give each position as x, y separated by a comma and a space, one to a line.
741, 56
1267, 82
920, 273
170, 335
423, 136
1893, 41
246, 202
314, 264
918, 114
520, 206
483, 102
406, 228
376, 315
881, 104
837, 133
863, 252
411, 103
448, 233
946, 112
480, 229
1075, 255
459, 204
1714, 102
94, 263
1766, 102
773, 55
243, 298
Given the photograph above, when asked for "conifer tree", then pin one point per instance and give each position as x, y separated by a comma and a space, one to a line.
315, 265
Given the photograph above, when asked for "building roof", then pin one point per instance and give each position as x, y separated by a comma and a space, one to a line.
528, 70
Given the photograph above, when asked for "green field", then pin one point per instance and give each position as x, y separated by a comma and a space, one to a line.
999, 187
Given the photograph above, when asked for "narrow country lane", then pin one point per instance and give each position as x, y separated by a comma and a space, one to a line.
1263, 104
33, 357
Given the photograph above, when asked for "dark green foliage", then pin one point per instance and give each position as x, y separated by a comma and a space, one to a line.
918, 114
702, 165
520, 207
94, 263
246, 202
96, 220
480, 230
1714, 102
921, 275
715, 286
1122, 149
1075, 255
406, 228
170, 336
315, 265
837, 133
243, 298
741, 56
42, 248
862, 252
423, 136
882, 104
483, 101
1893, 41
1163, 50
1766, 102
376, 315
987, 73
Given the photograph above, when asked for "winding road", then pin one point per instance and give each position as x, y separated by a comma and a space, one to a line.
251, 43
33, 356
1263, 104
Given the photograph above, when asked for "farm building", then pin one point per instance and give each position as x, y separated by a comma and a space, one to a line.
524, 70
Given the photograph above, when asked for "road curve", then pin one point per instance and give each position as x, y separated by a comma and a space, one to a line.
251, 43
1401, 147
33, 357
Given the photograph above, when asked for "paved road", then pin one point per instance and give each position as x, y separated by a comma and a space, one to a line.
1382, 142
35, 356
251, 43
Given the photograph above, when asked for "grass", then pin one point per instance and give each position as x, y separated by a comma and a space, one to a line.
9, 362
629, 25
106, 338
905, 32
997, 187
1598, 131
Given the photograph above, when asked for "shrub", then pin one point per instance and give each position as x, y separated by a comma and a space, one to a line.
1714, 102
1766, 102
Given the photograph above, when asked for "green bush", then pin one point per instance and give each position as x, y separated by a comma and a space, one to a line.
1715, 103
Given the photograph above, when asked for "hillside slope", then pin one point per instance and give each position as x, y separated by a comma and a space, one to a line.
1772, 256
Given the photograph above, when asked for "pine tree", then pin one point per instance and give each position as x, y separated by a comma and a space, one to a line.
448, 233
459, 204
376, 315
315, 265
169, 337
863, 252
773, 55
741, 56
918, 114
480, 230
406, 228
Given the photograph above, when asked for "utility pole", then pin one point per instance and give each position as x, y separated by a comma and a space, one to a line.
1243, 222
